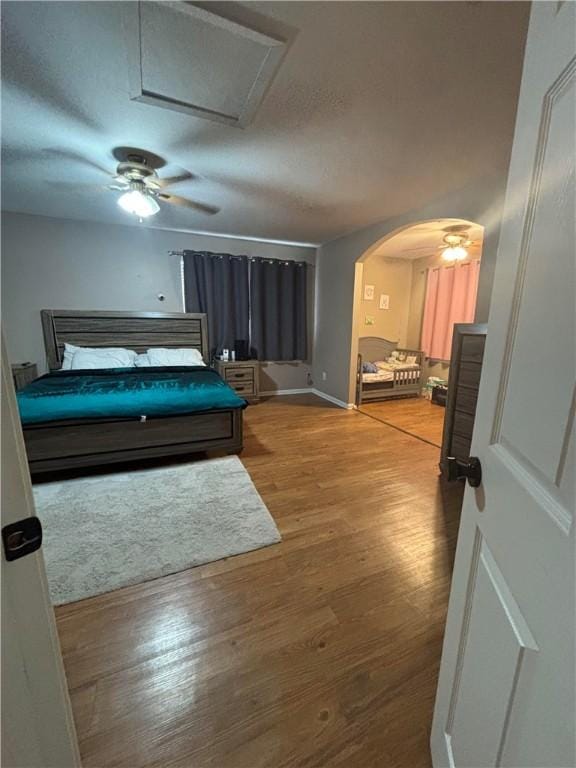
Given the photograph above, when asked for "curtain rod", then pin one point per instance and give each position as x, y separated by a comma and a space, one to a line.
249, 258
449, 266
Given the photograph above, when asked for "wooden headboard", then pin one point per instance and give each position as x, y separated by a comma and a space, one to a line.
373, 348
132, 330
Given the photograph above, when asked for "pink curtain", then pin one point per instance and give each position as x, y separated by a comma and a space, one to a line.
450, 298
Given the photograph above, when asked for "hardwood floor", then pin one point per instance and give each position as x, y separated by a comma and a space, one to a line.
320, 651
415, 415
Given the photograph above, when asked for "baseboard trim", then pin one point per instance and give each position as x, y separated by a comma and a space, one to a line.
273, 392
334, 400
310, 391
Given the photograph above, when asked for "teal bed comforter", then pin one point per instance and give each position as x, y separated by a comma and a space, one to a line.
125, 392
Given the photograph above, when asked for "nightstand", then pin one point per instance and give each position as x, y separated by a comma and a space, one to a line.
23, 374
243, 376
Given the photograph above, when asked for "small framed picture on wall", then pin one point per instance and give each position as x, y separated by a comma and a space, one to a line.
368, 293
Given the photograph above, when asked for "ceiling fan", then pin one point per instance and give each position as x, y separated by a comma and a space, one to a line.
455, 243
143, 189
454, 246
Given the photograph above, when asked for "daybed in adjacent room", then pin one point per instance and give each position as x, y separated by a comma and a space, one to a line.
98, 416
393, 372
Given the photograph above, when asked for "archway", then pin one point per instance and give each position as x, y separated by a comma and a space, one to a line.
389, 304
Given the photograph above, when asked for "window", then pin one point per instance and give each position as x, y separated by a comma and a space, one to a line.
259, 301
450, 298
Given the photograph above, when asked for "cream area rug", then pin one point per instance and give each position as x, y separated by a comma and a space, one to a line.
109, 531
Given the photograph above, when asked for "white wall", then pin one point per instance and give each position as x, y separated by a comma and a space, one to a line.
63, 264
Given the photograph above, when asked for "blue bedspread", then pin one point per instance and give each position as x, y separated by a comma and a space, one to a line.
125, 392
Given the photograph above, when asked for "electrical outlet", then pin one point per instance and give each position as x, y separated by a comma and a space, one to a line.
324, 376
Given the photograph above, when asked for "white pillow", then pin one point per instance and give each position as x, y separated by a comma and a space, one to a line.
158, 356
69, 350
127, 356
89, 358
411, 359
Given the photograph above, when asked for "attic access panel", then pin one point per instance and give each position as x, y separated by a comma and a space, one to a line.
191, 60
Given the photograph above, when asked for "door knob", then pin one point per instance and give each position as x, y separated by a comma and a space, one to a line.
470, 470
22, 538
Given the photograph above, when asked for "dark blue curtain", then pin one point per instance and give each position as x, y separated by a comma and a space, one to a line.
278, 309
217, 284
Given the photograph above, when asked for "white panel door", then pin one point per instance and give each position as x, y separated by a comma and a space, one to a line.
37, 726
507, 680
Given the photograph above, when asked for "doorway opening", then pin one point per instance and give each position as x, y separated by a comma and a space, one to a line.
411, 289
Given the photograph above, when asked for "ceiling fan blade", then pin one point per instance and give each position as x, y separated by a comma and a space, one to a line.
185, 203
152, 183
469, 244
170, 180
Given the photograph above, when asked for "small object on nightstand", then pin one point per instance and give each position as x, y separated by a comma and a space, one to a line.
242, 349
243, 376
23, 374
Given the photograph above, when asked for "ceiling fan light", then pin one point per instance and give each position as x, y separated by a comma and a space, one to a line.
138, 203
454, 253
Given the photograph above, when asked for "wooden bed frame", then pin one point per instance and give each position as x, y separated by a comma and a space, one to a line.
77, 443
406, 382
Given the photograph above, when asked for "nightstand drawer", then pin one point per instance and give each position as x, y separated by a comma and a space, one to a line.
239, 374
243, 376
242, 387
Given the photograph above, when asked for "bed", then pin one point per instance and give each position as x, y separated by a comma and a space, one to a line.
395, 379
76, 419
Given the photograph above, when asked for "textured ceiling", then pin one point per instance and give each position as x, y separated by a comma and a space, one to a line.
427, 238
376, 109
